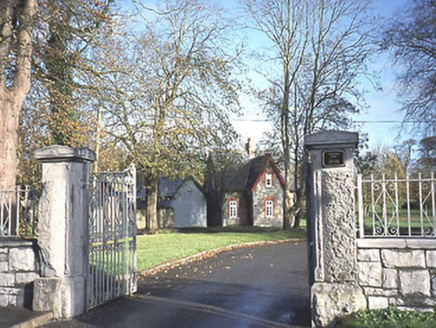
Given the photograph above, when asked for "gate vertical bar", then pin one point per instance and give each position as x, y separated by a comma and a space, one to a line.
384, 209
133, 228
27, 221
360, 200
433, 203
10, 213
373, 206
397, 205
2, 223
17, 210
409, 224
421, 204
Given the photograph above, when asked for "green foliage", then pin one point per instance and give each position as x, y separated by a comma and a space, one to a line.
66, 30
156, 249
428, 153
388, 318
61, 107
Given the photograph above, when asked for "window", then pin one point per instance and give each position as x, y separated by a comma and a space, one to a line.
233, 209
269, 209
268, 180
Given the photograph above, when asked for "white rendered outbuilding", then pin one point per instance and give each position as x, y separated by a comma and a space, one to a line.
190, 206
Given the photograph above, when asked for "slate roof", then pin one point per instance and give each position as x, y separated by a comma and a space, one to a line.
256, 167
167, 188
234, 178
244, 176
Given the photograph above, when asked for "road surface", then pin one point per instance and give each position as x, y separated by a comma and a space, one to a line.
256, 286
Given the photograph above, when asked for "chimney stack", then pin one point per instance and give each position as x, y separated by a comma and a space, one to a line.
250, 149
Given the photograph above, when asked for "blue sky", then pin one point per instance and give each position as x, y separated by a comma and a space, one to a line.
382, 105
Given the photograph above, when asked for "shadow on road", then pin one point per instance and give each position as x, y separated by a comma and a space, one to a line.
201, 304
265, 286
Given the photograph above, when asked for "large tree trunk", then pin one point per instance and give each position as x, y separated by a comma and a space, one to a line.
288, 221
298, 207
284, 126
9, 118
16, 26
151, 200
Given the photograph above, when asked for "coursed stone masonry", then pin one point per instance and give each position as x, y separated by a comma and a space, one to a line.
408, 273
348, 274
19, 267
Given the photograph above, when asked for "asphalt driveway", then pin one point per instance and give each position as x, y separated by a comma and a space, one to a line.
257, 286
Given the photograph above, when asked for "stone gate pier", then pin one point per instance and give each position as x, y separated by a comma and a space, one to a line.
333, 267
63, 235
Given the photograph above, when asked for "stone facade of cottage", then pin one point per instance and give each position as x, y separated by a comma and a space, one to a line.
247, 192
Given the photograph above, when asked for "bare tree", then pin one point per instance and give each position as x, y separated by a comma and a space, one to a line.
285, 25
411, 36
319, 51
16, 28
168, 92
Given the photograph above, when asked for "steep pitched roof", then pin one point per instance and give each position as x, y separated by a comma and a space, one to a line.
258, 166
167, 187
234, 178
245, 176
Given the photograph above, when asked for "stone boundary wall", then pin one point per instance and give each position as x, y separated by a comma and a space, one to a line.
273, 222
398, 272
165, 217
19, 267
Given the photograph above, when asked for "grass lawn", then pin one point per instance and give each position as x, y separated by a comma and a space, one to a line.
388, 318
415, 224
403, 220
159, 248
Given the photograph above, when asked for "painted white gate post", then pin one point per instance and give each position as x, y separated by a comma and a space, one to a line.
63, 230
331, 226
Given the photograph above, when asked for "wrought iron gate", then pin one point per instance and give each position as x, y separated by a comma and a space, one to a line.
112, 236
